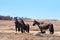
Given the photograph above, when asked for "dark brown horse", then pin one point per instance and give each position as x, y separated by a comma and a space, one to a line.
24, 26
43, 26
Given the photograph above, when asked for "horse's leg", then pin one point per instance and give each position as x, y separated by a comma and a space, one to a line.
40, 27
22, 29
51, 29
27, 28
41, 30
16, 28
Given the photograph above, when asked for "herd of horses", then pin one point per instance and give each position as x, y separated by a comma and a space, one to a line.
21, 26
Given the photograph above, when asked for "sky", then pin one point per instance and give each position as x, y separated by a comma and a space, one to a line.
35, 9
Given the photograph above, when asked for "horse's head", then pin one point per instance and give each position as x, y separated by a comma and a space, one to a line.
34, 23
15, 18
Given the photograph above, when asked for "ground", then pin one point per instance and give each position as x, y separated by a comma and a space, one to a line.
33, 35
7, 32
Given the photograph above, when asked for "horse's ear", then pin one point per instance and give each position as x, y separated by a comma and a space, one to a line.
15, 17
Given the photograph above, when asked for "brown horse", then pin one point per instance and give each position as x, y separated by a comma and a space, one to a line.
43, 26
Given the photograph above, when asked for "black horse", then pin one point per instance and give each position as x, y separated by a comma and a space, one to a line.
43, 26
19, 26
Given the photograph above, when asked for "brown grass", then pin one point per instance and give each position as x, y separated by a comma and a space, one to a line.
6, 25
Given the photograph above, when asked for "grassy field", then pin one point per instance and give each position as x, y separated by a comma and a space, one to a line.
4, 24
7, 31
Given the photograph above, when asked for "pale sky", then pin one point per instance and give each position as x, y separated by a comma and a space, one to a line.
40, 9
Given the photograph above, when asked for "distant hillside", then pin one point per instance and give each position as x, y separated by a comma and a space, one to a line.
11, 18
24, 18
5, 18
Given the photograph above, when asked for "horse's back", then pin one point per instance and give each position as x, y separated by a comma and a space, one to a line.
44, 25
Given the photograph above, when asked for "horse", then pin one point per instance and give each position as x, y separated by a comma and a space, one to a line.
21, 26
25, 26
18, 25
43, 26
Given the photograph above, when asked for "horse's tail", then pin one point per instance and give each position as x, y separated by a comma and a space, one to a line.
27, 25
51, 28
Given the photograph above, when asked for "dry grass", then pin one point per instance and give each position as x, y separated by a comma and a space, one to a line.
9, 26
26, 36
4, 24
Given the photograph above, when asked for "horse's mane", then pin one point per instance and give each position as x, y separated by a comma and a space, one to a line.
42, 23
36, 21
22, 21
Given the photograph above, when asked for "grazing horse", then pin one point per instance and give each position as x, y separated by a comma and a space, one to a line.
44, 27
21, 26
